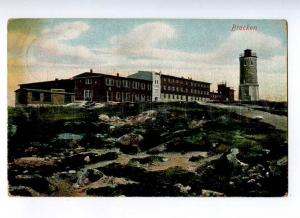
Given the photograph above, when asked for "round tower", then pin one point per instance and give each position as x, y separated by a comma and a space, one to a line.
248, 90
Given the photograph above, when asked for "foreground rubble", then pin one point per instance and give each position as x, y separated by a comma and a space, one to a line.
178, 149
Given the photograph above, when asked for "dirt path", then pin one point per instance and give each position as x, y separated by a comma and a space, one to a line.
279, 122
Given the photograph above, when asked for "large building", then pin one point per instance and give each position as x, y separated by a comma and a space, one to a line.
248, 89
171, 88
98, 87
89, 86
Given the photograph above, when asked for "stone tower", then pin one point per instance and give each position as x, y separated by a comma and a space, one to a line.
248, 90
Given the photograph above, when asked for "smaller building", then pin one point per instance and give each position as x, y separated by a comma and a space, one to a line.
224, 93
56, 92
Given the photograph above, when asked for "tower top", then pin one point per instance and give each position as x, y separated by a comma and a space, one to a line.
248, 53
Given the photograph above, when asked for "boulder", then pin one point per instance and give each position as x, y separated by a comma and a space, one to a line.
36, 182
233, 159
129, 143
196, 124
89, 175
210, 193
183, 189
104, 118
22, 191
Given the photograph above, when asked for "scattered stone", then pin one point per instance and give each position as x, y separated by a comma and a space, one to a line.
69, 136
183, 189
72, 171
36, 182
87, 159
233, 159
131, 120
104, 118
89, 175
209, 193
22, 191
196, 124
33, 162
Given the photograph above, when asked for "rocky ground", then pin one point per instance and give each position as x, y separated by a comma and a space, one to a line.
170, 149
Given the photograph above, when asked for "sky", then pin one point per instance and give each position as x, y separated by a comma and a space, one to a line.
206, 50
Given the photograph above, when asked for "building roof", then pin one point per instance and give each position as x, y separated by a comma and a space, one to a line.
67, 84
92, 74
44, 91
175, 77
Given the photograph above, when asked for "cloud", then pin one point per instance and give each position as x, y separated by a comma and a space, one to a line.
66, 31
52, 44
142, 38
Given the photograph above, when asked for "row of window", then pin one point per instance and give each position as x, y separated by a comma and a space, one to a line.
181, 97
126, 96
186, 90
47, 97
193, 84
127, 84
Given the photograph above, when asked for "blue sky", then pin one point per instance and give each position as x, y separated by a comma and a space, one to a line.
206, 50
194, 35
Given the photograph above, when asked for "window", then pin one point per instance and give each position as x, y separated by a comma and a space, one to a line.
177, 89
143, 86
87, 95
88, 81
107, 82
173, 88
47, 97
118, 83
68, 98
118, 96
36, 96
165, 88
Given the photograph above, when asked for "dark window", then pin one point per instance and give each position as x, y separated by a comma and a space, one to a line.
36, 96
88, 81
47, 97
68, 98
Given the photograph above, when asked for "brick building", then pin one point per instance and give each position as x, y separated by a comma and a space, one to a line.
102, 87
139, 87
171, 88
224, 93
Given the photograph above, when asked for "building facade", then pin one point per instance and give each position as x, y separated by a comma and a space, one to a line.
98, 87
171, 88
248, 89
56, 92
224, 93
143, 86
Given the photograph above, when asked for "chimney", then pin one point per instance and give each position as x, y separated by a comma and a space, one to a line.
118, 75
91, 70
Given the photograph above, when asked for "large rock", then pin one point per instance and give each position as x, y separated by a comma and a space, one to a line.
129, 143
233, 159
22, 191
43, 165
36, 182
210, 193
131, 120
89, 175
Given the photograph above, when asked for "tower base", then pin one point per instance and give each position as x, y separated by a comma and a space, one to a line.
248, 92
